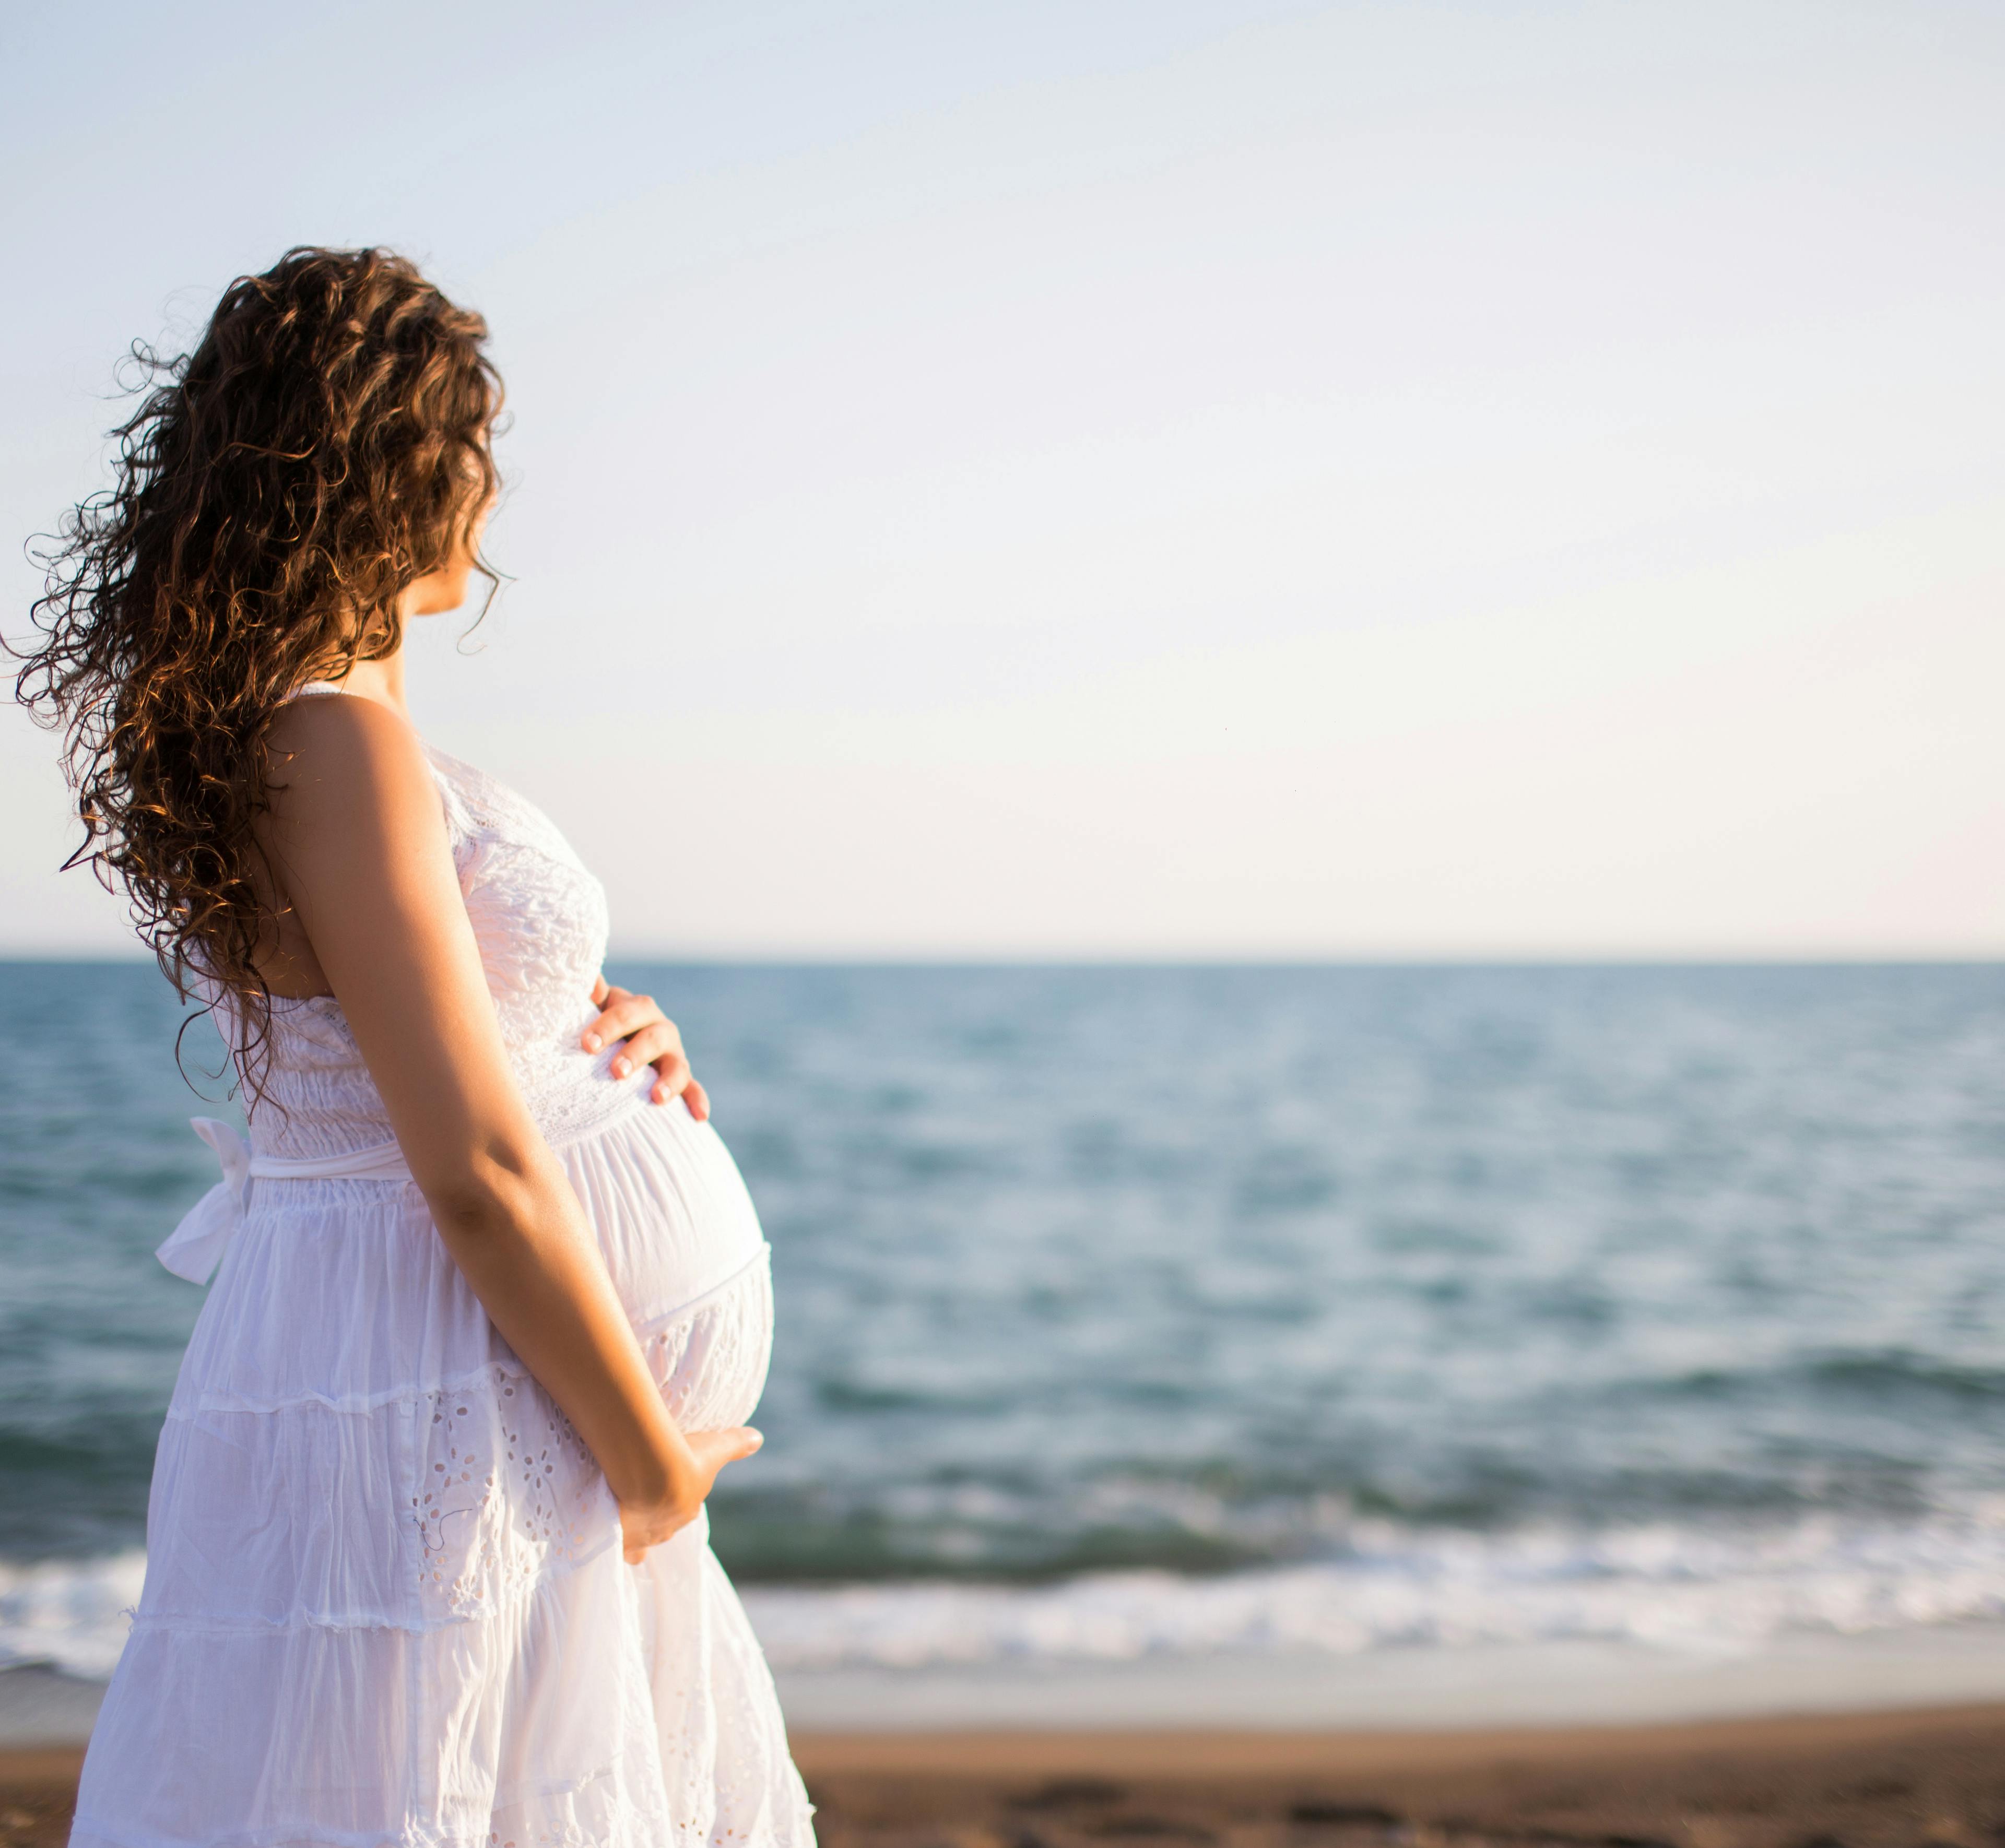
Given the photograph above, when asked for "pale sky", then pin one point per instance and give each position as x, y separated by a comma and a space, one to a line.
1167, 479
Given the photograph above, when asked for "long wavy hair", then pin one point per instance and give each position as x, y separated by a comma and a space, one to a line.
275, 493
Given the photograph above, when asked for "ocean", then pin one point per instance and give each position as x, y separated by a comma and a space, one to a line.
1148, 1318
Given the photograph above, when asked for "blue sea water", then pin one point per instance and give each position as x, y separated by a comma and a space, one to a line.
1134, 1311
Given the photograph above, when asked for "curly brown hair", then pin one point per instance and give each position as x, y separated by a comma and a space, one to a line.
326, 444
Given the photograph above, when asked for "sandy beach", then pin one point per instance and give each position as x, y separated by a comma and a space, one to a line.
1874, 1780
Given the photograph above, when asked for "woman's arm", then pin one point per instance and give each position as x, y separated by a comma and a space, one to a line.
356, 839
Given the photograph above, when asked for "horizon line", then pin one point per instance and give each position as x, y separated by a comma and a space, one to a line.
1471, 958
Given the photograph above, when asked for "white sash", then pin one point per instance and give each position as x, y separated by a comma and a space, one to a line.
195, 1246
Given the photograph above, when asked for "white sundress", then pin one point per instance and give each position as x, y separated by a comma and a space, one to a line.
385, 1601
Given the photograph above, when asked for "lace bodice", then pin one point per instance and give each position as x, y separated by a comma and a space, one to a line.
540, 920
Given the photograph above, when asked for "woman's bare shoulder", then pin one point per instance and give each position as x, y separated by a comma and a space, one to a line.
331, 754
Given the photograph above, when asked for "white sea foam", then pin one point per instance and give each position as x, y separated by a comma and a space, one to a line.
70, 1617
1708, 1592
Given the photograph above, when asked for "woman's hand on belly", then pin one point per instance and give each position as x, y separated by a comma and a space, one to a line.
651, 1038
646, 1523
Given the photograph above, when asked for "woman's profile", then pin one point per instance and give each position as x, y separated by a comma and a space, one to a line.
428, 1561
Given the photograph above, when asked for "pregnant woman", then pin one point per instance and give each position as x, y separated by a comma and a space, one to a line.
427, 1559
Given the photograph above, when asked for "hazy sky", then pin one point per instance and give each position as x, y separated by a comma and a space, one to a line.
1219, 479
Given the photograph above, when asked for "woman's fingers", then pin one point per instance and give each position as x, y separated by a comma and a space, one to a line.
624, 1014
654, 1042
607, 997
651, 1038
714, 1448
603, 995
672, 1077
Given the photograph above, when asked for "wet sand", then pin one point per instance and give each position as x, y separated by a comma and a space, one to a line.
1894, 1780
1886, 1780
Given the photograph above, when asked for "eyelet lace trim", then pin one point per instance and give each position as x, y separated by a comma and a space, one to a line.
507, 1491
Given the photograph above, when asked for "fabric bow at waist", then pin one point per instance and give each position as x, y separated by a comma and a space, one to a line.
196, 1246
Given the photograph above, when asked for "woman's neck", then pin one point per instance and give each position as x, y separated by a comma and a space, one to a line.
433, 595
381, 680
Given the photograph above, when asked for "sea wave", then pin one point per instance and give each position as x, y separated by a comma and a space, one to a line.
1708, 1590
1705, 1591
70, 1615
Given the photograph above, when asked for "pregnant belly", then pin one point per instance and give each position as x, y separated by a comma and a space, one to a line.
684, 1249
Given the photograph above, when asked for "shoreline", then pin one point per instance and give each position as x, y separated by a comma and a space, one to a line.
1886, 1779
1471, 1689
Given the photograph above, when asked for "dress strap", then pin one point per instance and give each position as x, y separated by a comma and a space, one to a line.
309, 689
